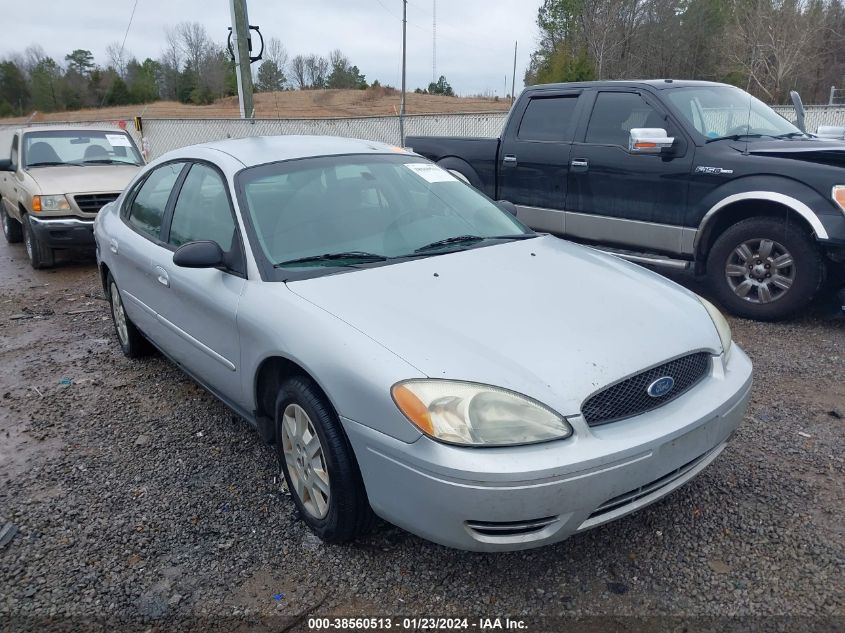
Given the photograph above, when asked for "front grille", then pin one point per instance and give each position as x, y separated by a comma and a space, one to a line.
93, 202
510, 528
630, 397
632, 496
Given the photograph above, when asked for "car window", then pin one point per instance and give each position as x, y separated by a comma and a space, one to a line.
616, 113
147, 208
82, 147
548, 119
202, 211
380, 204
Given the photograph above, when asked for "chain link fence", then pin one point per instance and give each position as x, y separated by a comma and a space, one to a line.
163, 135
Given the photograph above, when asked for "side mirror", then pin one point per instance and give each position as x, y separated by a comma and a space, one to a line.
799, 110
507, 206
203, 254
836, 132
6, 164
649, 140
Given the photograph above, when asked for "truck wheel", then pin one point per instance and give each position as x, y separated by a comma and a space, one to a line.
318, 464
40, 255
132, 342
12, 229
765, 269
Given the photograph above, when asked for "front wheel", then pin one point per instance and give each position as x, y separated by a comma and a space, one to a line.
318, 464
40, 255
765, 269
12, 230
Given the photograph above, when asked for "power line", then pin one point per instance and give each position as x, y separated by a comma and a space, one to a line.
128, 26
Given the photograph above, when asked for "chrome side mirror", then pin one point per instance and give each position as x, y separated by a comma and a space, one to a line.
836, 132
649, 140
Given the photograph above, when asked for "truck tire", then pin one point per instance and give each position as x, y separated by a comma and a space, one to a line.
40, 255
461, 170
765, 269
12, 229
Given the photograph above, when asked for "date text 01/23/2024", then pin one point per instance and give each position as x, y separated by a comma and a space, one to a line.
417, 624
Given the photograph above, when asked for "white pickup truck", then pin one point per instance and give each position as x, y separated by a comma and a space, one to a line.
54, 182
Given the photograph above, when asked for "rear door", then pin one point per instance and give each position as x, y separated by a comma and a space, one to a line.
616, 197
198, 307
534, 157
136, 240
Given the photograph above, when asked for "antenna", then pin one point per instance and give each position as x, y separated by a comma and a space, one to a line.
434, 42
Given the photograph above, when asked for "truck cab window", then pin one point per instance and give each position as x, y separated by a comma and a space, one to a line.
616, 113
548, 119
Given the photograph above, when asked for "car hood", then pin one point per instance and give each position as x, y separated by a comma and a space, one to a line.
817, 150
544, 317
79, 179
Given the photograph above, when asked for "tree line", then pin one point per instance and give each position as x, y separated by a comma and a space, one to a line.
767, 47
192, 68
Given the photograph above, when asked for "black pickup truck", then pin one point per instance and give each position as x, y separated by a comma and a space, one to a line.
685, 174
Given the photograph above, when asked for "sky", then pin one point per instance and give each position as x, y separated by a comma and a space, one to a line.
475, 38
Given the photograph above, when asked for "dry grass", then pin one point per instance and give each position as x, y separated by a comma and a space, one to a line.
309, 104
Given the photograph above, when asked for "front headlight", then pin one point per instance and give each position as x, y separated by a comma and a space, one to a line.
50, 203
471, 414
838, 195
721, 324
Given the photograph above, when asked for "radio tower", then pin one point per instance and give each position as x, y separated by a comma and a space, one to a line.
434, 43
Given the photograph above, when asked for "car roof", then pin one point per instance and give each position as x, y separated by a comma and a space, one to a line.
68, 128
659, 84
258, 150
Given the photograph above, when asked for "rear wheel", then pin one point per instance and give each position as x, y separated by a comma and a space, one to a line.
40, 255
12, 230
318, 464
765, 269
132, 342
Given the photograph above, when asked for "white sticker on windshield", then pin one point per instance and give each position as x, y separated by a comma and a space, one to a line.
431, 173
118, 140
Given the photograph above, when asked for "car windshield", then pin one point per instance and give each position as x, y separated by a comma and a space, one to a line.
348, 210
79, 147
724, 112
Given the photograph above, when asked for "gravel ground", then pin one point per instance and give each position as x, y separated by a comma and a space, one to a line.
141, 502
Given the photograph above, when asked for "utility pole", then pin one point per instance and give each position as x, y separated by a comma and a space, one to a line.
240, 46
513, 83
402, 100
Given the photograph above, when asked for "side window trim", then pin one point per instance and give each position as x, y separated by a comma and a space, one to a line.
167, 219
127, 210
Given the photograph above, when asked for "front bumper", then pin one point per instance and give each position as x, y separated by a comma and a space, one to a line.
64, 232
523, 497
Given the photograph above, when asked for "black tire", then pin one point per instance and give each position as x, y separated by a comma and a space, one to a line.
40, 255
347, 512
462, 170
766, 300
132, 342
12, 229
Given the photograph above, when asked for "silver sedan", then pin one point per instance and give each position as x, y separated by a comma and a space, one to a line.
410, 348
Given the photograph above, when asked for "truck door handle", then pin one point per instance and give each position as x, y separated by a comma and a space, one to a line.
113, 246
579, 164
509, 160
162, 277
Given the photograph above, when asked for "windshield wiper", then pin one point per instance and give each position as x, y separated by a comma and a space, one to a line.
51, 163
471, 239
107, 161
359, 257
737, 137
793, 135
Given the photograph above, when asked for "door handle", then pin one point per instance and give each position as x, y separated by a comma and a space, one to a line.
509, 160
162, 277
113, 246
579, 164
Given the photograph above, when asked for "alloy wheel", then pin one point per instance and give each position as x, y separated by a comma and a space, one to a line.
306, 461
760, 270
119, 315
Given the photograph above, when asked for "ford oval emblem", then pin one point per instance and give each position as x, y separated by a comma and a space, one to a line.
661, 387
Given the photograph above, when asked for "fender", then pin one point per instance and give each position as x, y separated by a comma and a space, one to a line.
784, 191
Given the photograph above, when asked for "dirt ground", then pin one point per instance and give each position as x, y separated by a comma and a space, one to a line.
140, 503
292, 104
